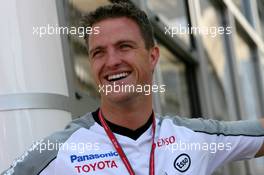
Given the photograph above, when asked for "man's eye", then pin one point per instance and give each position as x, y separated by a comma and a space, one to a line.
96, 53
125, 46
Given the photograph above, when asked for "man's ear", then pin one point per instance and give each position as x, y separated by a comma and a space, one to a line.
154, 56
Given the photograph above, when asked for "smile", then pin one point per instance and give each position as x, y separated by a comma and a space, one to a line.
118, 76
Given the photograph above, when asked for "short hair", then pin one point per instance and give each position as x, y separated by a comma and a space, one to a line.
116, 10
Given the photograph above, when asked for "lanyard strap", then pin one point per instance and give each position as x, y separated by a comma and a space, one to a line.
120, 150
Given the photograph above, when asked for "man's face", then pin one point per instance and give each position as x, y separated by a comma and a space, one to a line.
118, 55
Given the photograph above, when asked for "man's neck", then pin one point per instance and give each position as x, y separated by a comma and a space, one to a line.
132, 115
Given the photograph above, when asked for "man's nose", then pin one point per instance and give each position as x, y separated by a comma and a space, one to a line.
113, 59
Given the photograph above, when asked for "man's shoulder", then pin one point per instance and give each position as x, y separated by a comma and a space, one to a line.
215, 127
44, 151
194, 124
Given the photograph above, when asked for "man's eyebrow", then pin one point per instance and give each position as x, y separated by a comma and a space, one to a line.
117, 43
125, 41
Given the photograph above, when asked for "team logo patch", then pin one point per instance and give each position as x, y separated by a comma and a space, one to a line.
182, 163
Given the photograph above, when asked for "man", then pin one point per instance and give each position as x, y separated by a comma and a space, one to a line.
125, 134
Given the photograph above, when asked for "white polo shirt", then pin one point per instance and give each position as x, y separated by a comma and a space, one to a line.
183, 146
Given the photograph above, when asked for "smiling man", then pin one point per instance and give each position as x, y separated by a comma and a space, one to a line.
119, 55
124, 134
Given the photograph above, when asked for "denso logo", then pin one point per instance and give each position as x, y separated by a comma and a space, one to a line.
91, 167
166, 141
75, 158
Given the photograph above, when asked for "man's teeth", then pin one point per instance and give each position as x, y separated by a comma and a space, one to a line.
117, 76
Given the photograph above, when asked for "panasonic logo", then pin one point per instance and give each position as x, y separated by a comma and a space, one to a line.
75, 158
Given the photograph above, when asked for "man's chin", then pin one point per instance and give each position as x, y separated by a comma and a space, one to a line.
119, 97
